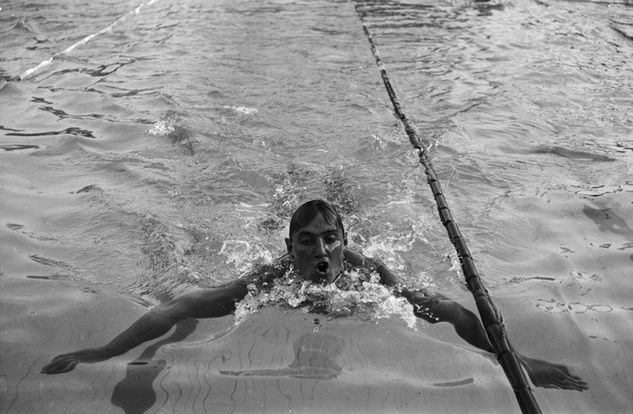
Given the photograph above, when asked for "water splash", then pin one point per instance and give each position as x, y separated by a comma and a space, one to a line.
163, 127
353, 293
243, 254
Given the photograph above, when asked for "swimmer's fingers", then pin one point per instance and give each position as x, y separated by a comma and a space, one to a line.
567, 385
565, 380
547, 375
66, 362
62, 363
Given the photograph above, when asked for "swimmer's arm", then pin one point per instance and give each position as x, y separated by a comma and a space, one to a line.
204, 303
431, 307
434, 308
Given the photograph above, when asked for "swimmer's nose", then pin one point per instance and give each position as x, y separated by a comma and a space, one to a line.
320, 249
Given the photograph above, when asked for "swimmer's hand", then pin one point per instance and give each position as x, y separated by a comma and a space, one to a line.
547, 375
67, 362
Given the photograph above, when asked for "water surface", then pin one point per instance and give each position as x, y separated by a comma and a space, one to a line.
170, 151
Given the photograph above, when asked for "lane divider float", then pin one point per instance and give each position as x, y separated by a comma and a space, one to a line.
490, 316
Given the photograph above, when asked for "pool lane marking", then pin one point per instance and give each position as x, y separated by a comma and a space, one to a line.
29, 72
491, 317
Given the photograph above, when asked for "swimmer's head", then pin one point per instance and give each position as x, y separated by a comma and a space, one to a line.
309, 210
316, 241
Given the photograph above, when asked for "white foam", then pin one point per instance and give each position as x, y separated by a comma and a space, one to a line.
365, 299
162, 128
243, 254
242, 110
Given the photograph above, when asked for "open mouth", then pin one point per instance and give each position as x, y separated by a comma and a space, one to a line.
323, 267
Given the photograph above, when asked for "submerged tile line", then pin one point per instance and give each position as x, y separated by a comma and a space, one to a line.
31, 71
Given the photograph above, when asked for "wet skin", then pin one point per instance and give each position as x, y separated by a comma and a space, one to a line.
317, 250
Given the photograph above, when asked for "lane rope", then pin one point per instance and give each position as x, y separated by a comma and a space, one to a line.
31, 71
490, 316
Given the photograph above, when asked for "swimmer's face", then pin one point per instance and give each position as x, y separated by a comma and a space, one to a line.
317, 250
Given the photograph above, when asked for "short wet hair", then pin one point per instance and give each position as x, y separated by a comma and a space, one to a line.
309, 210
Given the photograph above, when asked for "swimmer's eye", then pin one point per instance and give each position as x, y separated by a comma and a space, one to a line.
331, 238
311, 241
306, 241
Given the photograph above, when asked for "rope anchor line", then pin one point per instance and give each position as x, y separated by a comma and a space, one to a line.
490, 315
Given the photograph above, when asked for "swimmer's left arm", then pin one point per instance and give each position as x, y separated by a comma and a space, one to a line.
431, 307
434, 307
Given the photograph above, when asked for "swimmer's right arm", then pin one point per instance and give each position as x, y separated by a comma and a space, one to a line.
204, 303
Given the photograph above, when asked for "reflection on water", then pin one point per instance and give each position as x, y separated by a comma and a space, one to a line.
135, 393
315, 358
607, 220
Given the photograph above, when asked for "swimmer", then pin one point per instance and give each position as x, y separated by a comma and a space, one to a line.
317, 248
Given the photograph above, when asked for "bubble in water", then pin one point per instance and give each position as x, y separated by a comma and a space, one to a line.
163, 127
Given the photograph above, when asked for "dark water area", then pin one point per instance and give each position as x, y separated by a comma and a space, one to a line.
169, 150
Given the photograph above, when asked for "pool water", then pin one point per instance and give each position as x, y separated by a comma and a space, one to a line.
170, 150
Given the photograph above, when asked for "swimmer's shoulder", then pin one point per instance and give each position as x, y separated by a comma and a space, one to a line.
267, 272
354, 258
372, 264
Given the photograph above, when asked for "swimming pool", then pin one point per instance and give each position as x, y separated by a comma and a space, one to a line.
170, 151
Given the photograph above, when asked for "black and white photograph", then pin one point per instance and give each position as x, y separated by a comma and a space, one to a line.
316, 206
